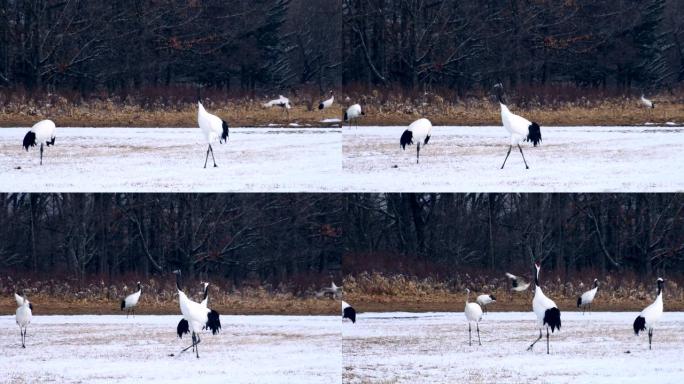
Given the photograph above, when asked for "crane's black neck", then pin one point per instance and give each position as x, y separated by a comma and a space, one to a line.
139, 288
178, 281
206, 292
596, 284
536, 276
660, 287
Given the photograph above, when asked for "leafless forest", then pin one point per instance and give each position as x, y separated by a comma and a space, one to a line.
100, 47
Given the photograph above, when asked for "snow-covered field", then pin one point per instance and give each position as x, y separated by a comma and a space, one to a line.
171, 160
433, 348
468, 159
113, 349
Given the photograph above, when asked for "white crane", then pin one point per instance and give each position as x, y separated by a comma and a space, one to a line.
546, 310
20, 300
587, 297
485, 300
43, 132
333, 290
23, 318
648, 318
131, 301
327, 103
213, 129
282, 102
517, 283
196, 317
348, 312
518, 127
353, 113
420, 131
472, 312
646, 102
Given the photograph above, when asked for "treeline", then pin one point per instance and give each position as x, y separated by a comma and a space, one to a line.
237, 237
447, 234
283, 45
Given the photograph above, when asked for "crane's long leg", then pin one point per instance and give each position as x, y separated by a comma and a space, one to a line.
650, 336
535, 342
41, 153
508, 154
547, 340
197, 346
418, 153
470, 335
523, 155
194, 342
207, 158
478, 333
212, 156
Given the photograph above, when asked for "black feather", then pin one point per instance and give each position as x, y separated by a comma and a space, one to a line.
51, 142
321, 106
183, 328
492, 297
639, 325
427, 138
406, 139
31, 307
552, 318
224, 135
534, 134
29, 140
345, 116
123, 304
579, 301
349, 313
213, 322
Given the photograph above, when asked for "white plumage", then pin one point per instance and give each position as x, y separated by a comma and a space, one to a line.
647, 103
348, 312
213, 129
472, 312
282, 102
518, 284
519, 128
44, 133
648, 318
334, 291
23, 318
131, 301
327, 103
196, 317
420, 131
485, 300
587, 297
546, 311
352, 113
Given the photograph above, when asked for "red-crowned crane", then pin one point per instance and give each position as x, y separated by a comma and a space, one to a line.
587, 297
548, 314
131, 301
420, 131
196, 317
353, 113
43, 133
472, 312
213, 129
518, 127
348, 312
327, 103
23, 318
648, 318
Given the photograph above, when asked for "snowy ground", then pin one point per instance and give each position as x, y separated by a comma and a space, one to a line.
113, 349
171, 160
467, 159
433, 347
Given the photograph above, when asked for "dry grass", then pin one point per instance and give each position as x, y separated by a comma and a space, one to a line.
556, 107
375, 292
63, 297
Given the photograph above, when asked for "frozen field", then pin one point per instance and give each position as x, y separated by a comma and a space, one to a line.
468, 159
433, 348
113, 349
172, 159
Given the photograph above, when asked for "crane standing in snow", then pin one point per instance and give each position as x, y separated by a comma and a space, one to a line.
23, 318
648, 318
518, 127
196, 317
587, 297
420, 131
213, 129
327, 103
472, 312
353, 113
131, 301
348, 312
546, 310
43, 132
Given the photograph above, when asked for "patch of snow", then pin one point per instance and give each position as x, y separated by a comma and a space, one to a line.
331, 121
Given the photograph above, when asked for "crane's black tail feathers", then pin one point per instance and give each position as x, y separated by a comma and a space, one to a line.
639, 325
29, 140
51, 142
183, 328
406, 139
31, 307
123, 304
345, 116
427, 138
213, 322
535, 134
350, 313
224, 135
579, 301
321, 106
552, 319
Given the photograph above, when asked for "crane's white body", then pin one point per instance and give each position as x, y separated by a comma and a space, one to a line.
211, 125
546, 311
353, 113
131, 301
43, 133
484, 301
23, 317
327, 103
281, 101
648, 318
517, 126
540, 304
334, 291
647, 103
587, 297
473, 313
419, 132
518, 284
